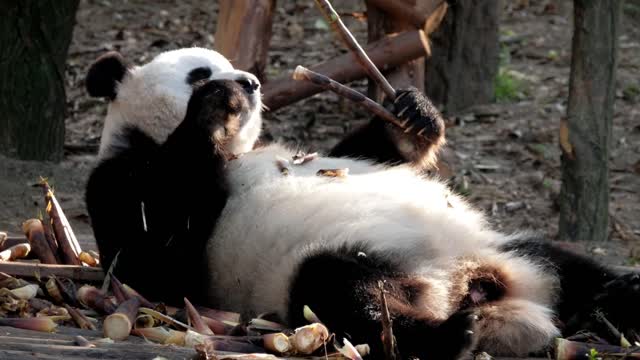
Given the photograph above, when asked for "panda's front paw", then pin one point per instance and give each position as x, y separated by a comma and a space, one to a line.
418, 115
216, 107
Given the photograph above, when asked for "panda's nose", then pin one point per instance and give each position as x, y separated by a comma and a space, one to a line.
249, 85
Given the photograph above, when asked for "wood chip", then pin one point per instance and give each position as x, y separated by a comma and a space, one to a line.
339, 173
301, 158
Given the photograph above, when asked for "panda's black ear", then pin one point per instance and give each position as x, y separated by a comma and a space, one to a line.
105, 74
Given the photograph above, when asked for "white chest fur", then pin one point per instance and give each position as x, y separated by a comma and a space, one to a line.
272, 220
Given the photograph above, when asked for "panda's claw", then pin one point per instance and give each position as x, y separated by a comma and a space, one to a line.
417, 112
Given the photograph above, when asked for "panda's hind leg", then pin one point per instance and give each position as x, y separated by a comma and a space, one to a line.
341, 287
585, 286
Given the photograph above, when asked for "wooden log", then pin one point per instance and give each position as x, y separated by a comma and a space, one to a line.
414, 14
380, 25
69, 246
386, 53
73, 272
34, 231
243, 33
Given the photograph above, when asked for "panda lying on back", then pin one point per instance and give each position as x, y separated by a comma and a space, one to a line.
193, 210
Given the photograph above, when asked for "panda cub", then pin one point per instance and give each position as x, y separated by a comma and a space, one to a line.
190, 207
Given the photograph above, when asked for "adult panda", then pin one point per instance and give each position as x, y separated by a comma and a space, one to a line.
192, 209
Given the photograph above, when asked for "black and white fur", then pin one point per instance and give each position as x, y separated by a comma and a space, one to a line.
193, 210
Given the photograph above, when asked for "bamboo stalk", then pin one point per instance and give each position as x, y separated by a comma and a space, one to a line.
302, 73
67, 240
196, 320
37, 324
388, 339
221, 315
118, 290
93, 298
34, 230
350, 41
51, 239
82, 321
78, 273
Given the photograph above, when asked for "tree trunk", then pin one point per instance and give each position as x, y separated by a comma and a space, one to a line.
465, 54
586, 135
34, 39
380, 24
243, 33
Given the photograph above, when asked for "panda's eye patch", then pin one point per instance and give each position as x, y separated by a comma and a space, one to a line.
198, 74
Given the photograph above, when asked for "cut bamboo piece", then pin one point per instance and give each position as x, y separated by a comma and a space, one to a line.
196, 320
34, 231
88, 259
54, 291
18, 251
277, 343
309, 338
93, 298
118, 325
218, 327
144, 321
67, 240
26, 292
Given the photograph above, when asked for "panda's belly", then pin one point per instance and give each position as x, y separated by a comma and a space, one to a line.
272, 220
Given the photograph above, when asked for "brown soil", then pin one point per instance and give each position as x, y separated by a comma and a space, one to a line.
504, 155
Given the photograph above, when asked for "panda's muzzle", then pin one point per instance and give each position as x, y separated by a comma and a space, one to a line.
249, 85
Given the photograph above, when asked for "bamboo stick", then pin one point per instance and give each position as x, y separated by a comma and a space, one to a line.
302, 73
388, 52
350, 41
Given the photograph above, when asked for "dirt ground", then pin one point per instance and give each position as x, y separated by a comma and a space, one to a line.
504, 155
